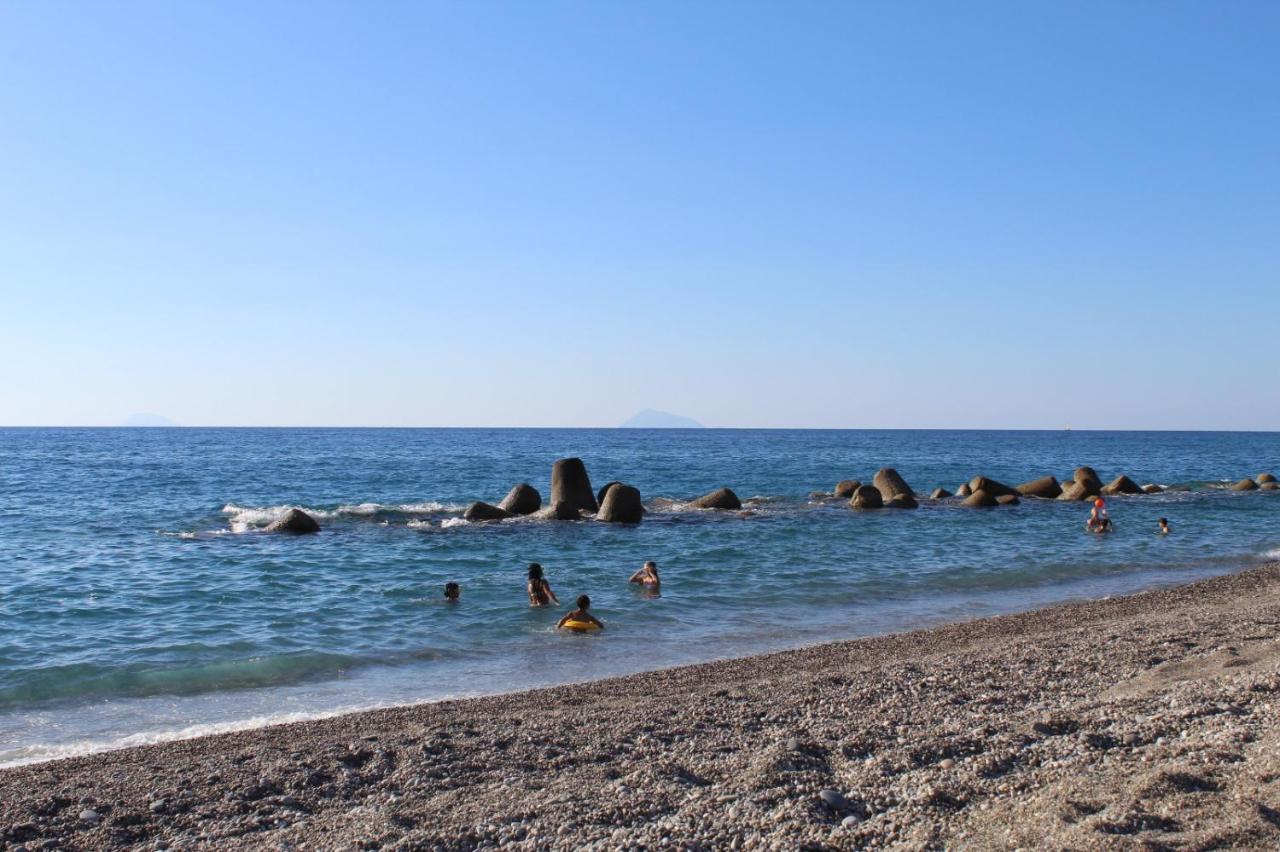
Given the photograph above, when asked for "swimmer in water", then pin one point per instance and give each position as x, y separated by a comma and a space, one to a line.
1164, 526
647, 576
451, 592
540, 593
581, 614
1099, 521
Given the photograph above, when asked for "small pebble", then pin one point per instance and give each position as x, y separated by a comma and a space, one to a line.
947, 763
89, 815
834, 799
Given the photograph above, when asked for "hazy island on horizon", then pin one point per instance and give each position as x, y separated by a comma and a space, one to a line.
650, 418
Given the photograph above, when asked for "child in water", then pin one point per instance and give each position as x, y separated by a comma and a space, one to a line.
1099, 521
647, 576
451, 592
540, 593
581, 615
1164, 526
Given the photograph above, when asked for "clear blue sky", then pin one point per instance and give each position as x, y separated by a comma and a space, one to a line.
534, 213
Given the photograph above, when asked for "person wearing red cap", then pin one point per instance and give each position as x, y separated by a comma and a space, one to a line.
1099, 521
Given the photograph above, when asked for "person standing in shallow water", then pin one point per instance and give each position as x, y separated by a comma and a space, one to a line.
540, 593
1164, 526
647, 576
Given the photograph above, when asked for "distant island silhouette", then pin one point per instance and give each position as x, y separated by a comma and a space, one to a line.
147, 419
651, 419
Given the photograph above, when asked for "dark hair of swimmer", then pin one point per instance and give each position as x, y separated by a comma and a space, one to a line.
584, 602
1164, 522
451, 591
535, 571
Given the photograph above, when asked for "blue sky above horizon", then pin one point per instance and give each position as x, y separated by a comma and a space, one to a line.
557, 214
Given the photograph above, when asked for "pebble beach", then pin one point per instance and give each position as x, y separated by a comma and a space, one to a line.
1147, 721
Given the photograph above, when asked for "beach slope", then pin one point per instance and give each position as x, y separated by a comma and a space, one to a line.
1150, 721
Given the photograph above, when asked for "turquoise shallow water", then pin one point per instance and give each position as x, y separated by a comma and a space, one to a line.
139, 601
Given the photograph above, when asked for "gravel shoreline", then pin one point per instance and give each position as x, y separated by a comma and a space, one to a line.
1148, 721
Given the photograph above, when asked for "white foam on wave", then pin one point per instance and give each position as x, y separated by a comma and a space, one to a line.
455, 522
245, 518
38, 753
1271, 555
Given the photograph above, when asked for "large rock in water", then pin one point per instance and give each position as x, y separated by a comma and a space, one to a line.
1270, 486
1264, 478
983, 483
721, 498
1079, 491
980, 499
479, 511
867, 497
846, 487
1245, 485
964, 490
604, 489
1008, 500
1088, 477
1122, 485
523, 499
939, 494
1151, 488
891, 484
1046, 487
901, 501
1085, 472
571, 485
294, 521
621, 505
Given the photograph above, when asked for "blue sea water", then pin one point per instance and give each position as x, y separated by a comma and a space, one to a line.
140, 601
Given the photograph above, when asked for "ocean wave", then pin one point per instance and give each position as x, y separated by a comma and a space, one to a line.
455, 522
246, 518
40, 752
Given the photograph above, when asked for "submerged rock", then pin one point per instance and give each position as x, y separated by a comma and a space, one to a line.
1264, 478
1008, 500
846, 487
984, 483
479, 511
964, 490
1152, 488
980, 499
939, 494
523, 499
1045, 487
867, 497
560, 511
721, 498
295, 522
1270, 486
571, 485
901, 501
1122, 485
621, 505
1245, 485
